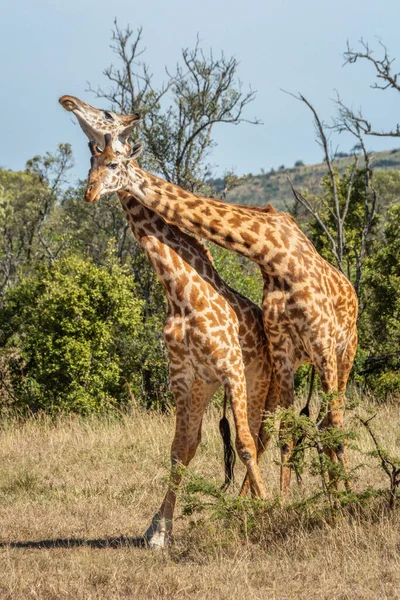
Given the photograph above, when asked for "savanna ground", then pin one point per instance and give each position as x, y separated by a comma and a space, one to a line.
76, 493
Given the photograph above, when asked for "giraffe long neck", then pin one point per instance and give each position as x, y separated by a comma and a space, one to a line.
145, 223
170, 251
165, 243
265, 237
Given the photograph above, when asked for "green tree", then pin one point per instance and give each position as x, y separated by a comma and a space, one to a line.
387, 185
380, 323
30, 228
241, 274
71, 331
350, 193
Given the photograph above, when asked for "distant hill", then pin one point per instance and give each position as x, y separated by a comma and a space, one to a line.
274, 187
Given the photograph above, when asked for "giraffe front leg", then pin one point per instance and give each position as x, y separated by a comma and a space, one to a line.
159, 532
190, 407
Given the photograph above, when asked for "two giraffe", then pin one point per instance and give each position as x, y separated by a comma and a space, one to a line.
213, 334
309, 307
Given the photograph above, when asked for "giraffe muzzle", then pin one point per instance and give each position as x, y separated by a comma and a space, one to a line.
92, 193
68, 102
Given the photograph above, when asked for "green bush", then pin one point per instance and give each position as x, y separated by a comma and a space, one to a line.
380, 322
243, 275
69, 338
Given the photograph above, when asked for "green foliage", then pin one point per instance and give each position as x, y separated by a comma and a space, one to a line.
241, 274
30, 226
202, 497
386, 384
71, 330
261, 521
380, 323
310, 435
154, 390
20, 198
387, 185
302, 379
353, 225
383, 279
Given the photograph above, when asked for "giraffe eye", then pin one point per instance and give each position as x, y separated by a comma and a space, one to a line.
108, 116
113, 166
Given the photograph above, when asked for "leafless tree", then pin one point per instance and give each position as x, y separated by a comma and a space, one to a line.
332, 206
386, 79
346, 122
179, 116
389, 464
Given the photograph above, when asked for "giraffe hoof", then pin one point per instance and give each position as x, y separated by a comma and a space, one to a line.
157, 541
158, 534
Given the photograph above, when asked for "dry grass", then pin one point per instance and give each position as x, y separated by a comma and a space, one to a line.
74, 495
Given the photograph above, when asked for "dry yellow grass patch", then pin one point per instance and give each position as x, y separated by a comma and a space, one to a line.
75, 495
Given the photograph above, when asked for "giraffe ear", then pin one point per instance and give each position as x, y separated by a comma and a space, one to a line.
131, 121
136, 151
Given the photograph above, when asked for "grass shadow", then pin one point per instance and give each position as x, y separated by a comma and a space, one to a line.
100, 543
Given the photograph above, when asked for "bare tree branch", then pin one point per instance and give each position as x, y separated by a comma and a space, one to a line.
304, 202
322, 140
336, 205
179, 116
389, 465
387, 79
383, 67
347, 121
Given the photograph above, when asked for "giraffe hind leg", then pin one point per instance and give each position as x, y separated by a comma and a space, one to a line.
344, 366
245, 445
334, 374
281, 393
264, 401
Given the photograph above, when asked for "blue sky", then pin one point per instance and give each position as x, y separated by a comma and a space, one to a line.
50, 48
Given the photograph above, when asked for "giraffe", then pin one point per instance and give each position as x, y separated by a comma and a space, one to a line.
213, 334
309, 307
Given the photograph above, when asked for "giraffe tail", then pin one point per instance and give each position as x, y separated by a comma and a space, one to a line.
306, 408
305, 411
229, 452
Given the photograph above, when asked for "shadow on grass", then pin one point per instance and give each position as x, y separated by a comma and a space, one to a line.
108, 542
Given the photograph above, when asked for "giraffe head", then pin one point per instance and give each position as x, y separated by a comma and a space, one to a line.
108, 169
96, 123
